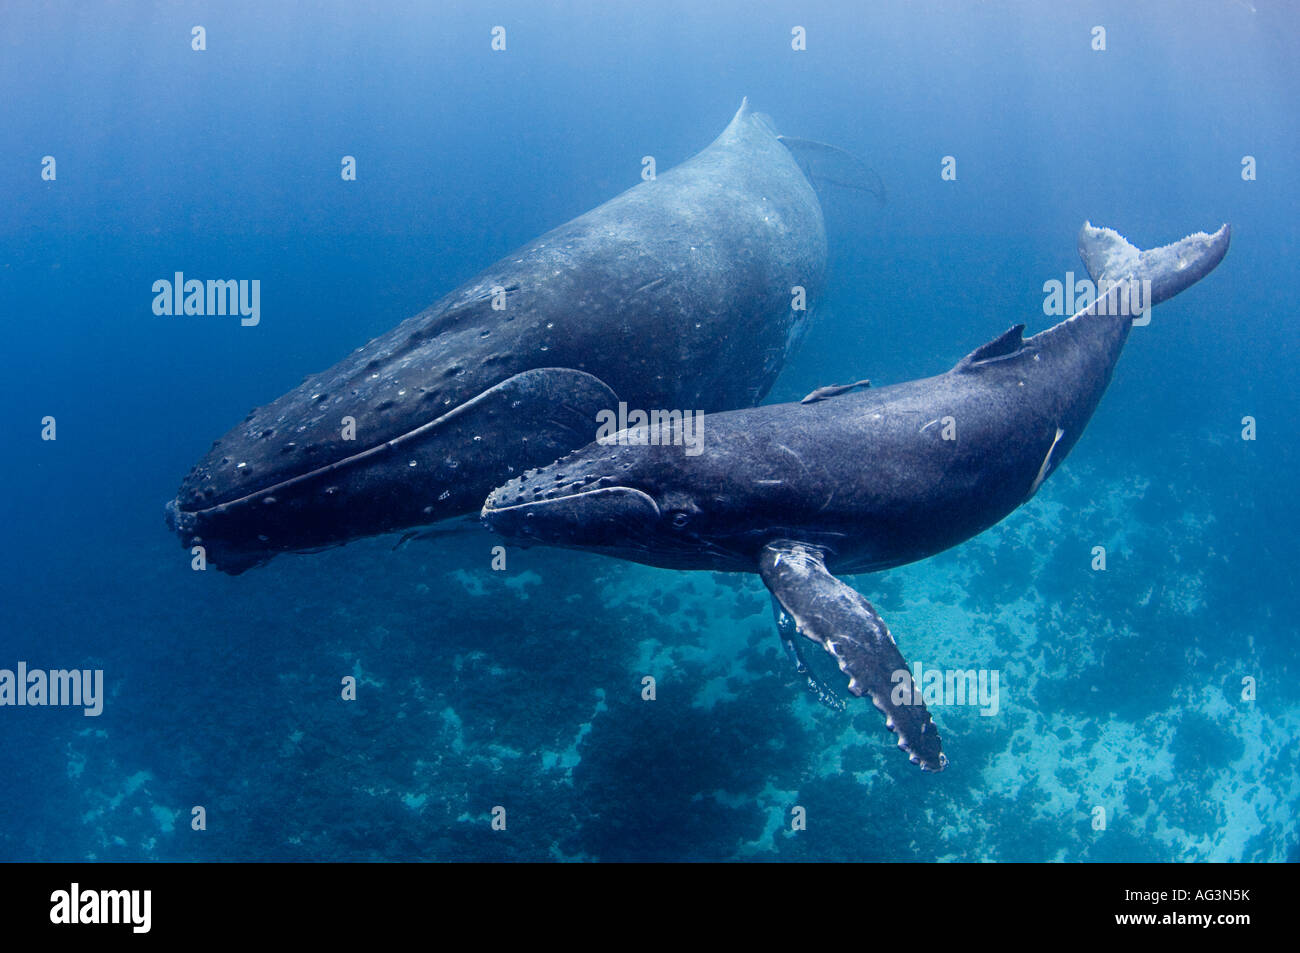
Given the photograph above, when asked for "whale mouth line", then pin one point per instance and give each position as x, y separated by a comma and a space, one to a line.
340, 464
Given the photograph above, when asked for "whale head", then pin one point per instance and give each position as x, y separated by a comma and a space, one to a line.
294, 478
644, 499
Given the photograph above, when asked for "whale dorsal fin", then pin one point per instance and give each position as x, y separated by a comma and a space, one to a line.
1004, 345
841, 621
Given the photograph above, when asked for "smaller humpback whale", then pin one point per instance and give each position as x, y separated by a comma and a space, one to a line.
861, 481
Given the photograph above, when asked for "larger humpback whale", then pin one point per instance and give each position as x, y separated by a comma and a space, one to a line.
857, 482
677, 294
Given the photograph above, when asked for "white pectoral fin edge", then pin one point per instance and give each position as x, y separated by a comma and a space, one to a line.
846, 625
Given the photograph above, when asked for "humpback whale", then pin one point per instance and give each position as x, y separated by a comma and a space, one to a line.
678, 293
857, 480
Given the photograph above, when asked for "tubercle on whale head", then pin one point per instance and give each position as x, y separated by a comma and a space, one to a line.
230, 553
231, 560
576, 502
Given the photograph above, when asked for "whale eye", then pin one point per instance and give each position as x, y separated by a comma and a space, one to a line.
680, 519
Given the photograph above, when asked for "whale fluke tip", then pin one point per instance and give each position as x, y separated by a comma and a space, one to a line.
1171, 268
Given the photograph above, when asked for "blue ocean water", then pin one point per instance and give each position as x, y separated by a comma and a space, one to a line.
1121, 691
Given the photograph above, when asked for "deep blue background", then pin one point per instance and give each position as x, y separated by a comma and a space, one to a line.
225, 163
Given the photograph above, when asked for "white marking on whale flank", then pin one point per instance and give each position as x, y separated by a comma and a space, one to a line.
1045, 466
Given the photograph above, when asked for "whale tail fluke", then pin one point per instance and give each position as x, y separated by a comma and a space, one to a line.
1110, 257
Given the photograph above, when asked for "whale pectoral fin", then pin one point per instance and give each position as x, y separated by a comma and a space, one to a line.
1045, 468
826, 165
558, 405
789, 633
457, 527
544, 413
846, 625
